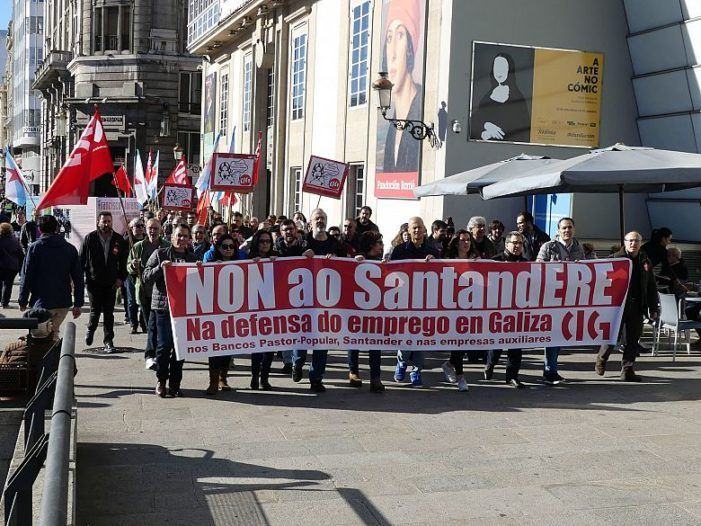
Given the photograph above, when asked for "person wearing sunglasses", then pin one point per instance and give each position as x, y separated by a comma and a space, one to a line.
261, 247
513, 253
226, 248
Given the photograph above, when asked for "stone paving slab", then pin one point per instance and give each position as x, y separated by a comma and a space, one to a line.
592, 451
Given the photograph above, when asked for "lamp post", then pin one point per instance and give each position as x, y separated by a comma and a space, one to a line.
178, 152
419, 130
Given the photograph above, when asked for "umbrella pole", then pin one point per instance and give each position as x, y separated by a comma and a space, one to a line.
622, 214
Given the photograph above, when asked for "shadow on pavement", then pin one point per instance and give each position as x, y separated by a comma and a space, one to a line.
149, 484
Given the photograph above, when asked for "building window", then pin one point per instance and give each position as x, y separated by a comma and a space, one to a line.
203, 15
356, 190
111, 32
297, 190
190, 92
247, 90
224, 104
299, 66
190, 143
270, 115
360, 38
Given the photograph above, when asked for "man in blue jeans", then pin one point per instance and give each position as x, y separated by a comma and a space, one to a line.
563, 248
318, 243
417, 247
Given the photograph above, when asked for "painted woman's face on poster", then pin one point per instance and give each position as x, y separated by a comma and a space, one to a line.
398, 153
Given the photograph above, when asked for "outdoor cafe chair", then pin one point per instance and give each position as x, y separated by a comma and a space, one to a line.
671, 319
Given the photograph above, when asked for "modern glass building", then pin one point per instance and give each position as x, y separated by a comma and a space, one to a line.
27, 53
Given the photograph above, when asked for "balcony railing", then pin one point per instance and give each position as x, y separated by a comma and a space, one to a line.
54, 65
111, 42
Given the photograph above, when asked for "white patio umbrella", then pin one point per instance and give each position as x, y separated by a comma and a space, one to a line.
472, 181
616, 169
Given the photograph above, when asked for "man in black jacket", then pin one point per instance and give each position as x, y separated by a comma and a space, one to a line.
168, 367
642, 299
103, 258
513, 253
418, 247
318, 243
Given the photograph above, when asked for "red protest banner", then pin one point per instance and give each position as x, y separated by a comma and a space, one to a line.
233, 172
325, 177
315, 303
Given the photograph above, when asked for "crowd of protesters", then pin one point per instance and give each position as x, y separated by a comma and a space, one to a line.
54, 276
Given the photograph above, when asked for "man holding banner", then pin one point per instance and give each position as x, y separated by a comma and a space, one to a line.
513, 253
319, 243
642, 299
417, 247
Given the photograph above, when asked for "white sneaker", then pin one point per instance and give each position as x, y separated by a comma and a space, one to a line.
449, 372
150, 364
462, 385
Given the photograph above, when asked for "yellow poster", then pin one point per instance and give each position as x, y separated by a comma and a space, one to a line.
566, 97
530, 95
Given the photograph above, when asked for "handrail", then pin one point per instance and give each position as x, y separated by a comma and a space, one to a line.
54, 501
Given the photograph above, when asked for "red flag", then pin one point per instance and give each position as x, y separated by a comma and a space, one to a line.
256, 163
121, 181
203, 207
179, 173
89, 160
229, 198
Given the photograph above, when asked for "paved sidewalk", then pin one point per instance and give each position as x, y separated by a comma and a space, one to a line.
594, 451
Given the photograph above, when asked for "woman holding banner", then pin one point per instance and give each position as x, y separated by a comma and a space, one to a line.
261, 248
461, 246
226, 248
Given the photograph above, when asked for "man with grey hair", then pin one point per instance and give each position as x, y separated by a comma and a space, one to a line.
641, 299
675, 274
200, 244
318, 243
477, 225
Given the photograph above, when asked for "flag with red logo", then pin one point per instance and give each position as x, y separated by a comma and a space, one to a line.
121, 181
89, 160
256, 164
179, 173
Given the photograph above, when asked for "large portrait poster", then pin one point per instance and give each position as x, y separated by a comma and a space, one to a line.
398, 154
210, 104
535, 95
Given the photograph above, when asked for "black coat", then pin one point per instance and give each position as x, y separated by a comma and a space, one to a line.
92, 259
649, 299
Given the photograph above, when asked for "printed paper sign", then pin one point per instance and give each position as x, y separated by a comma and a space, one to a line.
314, 303
178, 196
325, 177
233, 172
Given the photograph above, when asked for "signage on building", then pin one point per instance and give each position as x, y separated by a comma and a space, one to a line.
109, 122
398, 154
533, 95
269, 152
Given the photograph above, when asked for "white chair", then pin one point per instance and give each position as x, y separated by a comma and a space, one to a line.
670, 319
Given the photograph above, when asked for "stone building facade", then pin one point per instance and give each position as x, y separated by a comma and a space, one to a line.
129, 58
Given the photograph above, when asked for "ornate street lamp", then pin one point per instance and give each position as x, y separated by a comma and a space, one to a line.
178, 152
419, 130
